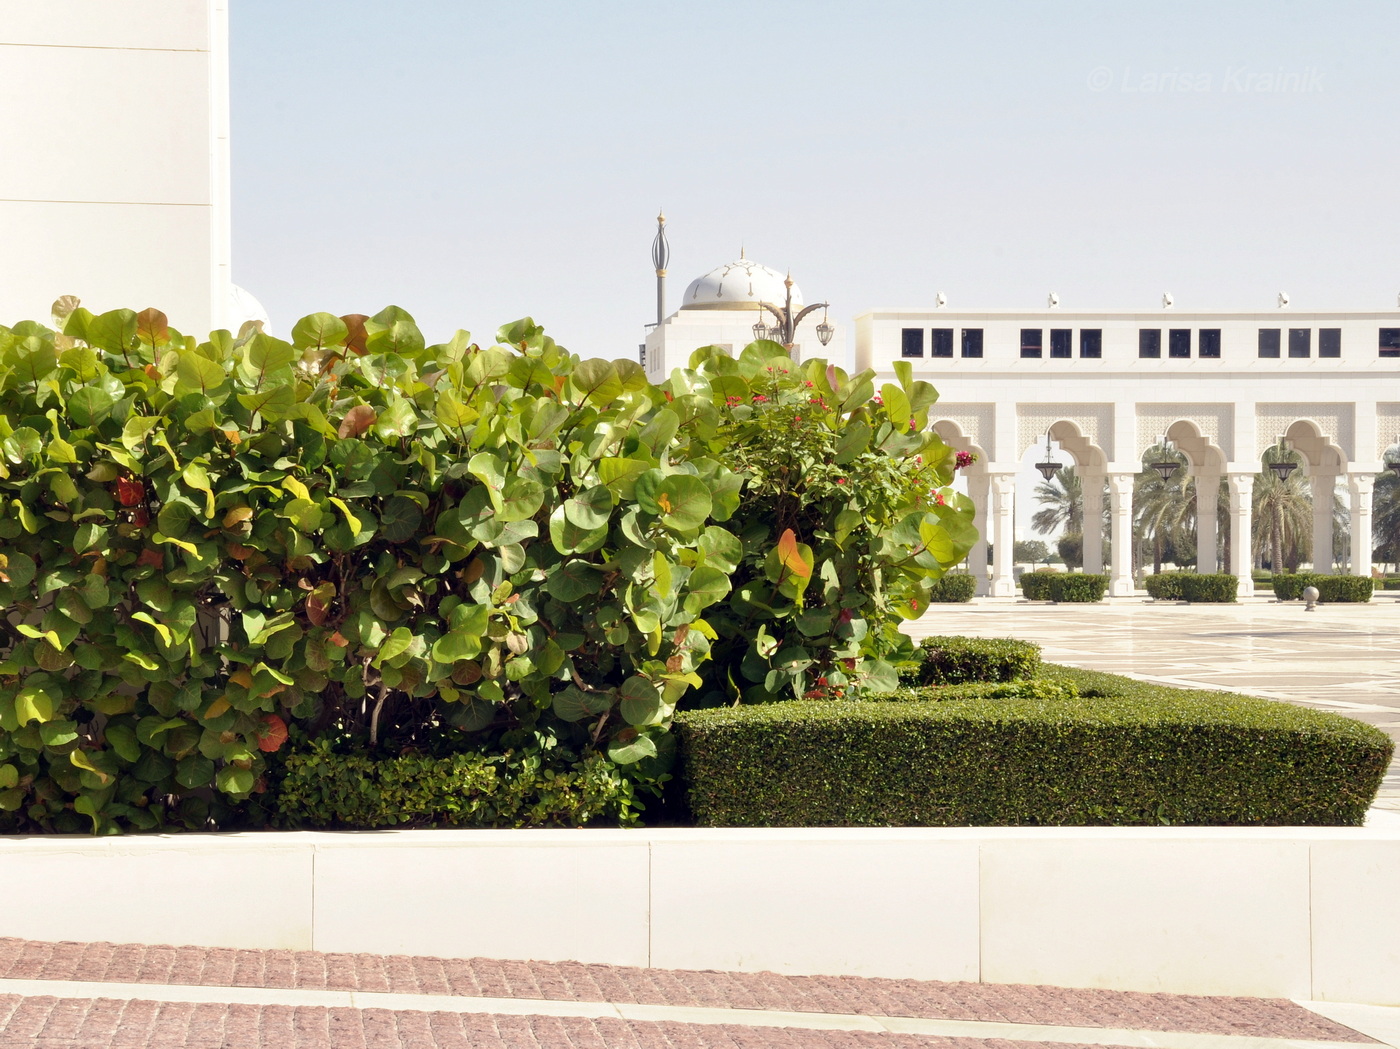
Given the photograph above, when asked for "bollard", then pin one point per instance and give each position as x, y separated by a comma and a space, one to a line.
1310, 595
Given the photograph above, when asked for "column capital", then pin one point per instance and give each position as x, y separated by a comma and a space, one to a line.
1361, 483
1122, 483
1241, 484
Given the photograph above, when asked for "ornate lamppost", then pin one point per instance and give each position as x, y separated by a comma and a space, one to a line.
785, 322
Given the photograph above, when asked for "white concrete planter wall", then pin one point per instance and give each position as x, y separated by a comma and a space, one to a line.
1290, 912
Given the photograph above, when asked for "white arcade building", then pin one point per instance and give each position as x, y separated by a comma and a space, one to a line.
1105, 386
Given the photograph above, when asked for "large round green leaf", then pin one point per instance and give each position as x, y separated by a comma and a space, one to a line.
400, 520
573, 580
89, 405
569, 538
521, 499
706, 586
589, 508
684, 502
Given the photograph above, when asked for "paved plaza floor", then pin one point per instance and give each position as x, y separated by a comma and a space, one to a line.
99, 995
1343, 658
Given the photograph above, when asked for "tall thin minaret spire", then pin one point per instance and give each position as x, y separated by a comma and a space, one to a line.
660, 257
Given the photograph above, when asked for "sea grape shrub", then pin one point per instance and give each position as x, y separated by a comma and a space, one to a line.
845, 521
208, 547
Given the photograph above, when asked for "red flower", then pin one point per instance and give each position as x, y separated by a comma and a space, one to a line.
964, 460
840, 480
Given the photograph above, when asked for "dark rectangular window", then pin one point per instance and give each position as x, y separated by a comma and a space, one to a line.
1329, 342
1300, 342
1030, 342
1061, 341
1269, 342
912, 342
1149, 342
1390, 342
1208, 343
972, 342
941, 344
1179, 342
1091, 342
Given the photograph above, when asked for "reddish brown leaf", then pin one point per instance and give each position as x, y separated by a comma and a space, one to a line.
154, 558
130, 492
316, 611
791, 556
355, 341
339, 641
152, 327
357, 420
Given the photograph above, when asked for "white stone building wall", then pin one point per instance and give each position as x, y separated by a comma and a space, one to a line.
115, 186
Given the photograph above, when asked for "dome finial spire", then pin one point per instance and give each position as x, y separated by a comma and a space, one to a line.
741, 251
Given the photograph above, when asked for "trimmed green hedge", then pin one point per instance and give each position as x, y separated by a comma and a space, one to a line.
1152, 755
953, 588
1036, 585
953, 660
320, 788
1078, 587
1332, 589
1192, 586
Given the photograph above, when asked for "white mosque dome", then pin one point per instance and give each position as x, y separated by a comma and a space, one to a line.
738, 285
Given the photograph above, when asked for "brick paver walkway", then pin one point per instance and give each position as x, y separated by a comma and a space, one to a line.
96, 1022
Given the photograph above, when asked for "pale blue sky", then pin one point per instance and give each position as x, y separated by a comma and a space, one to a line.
474, 162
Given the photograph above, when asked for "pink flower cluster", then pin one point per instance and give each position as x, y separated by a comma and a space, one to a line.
965, 459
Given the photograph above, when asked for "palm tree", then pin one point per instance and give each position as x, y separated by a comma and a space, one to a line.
1282, 511
1164, 509
1385, 522
1063, 498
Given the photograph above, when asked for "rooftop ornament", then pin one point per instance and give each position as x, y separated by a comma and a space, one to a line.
1050, 466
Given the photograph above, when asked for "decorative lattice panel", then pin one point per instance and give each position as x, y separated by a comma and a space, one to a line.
1387, 427
1215, 421
1336, 421
1095, 421
976, 422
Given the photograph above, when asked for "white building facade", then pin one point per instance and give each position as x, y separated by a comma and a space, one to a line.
115, 186
1108, 385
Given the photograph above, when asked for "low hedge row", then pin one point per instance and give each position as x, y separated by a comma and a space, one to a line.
1192, 586
318, 787
1073, 587
953, 660
1331, 589
951, 589
1036, 585
1152, 755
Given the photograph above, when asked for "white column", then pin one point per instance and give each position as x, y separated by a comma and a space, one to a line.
977, 490
1241, 532
1324, 489
1120, 498
1092, 487
1207, 526
1361, 487
1003, 534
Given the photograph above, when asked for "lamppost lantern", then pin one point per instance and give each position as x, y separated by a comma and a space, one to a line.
1393, 466
785, 320
1166, 467
1283, 468
1050, 466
